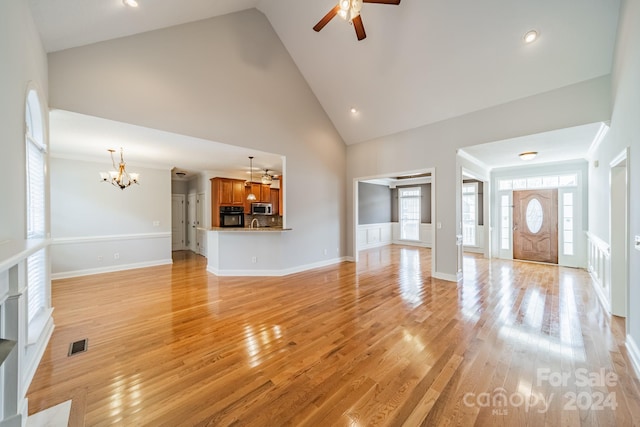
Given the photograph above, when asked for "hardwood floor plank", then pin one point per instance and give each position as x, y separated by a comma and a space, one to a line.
377, 343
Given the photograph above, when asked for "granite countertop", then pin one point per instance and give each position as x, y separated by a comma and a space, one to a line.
250, 230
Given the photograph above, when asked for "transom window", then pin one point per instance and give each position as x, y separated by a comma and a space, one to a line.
551, 181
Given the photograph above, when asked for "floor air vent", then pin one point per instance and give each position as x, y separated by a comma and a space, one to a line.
78, 347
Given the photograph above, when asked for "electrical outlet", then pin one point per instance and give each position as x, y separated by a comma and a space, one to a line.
254, 259
99, 258
116, 255
325, 251
156, 223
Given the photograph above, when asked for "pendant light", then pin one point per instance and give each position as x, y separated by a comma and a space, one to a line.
251, 196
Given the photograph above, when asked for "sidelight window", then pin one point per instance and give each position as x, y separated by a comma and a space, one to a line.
469, 213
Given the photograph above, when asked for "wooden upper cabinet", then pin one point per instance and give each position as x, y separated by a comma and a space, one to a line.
225, 191
275, 200
228, 191
237, 195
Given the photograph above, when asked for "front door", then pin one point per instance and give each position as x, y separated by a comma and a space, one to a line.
535, 225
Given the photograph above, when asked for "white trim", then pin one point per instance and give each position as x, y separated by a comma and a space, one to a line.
278, 273
108, 238
37, 349
599, 267
14, 251
110, 269
448, 277
634, 354
622, 156
597, 139
460, 152
602, 245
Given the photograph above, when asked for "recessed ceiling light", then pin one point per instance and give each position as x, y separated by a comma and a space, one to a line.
528, 155
130, 3
354, 110
530, 36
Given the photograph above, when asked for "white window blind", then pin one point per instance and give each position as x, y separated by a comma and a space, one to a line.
36, 277
35, 190
36, 155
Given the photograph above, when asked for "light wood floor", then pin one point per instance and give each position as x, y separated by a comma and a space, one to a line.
374, 343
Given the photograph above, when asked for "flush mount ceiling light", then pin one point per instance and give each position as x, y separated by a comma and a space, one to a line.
530, 36
251, 196
119, 177
130, 3
354, 110
528, 155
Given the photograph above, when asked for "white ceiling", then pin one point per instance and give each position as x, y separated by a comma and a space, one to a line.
78, 136
555, 146
422, 61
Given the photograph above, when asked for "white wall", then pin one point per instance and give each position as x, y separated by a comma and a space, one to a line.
624, 132
23, 64
23, 60
91, 221
228, 79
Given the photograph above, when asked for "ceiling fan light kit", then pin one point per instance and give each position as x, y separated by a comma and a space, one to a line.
349, 10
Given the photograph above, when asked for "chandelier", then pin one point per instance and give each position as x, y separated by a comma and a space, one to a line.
119, 177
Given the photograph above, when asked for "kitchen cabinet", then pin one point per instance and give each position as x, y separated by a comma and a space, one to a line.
225, 192
229, 191
262, 193
275, 200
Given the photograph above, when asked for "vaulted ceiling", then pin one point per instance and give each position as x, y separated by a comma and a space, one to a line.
423, 61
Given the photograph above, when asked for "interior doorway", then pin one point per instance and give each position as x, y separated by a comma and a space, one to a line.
535, 225
618, 223
191, 222
177, 222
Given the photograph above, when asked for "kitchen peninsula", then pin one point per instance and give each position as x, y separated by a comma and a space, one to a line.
246, 251
234, 246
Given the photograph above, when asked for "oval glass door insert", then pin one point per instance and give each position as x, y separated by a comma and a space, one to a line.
534, 216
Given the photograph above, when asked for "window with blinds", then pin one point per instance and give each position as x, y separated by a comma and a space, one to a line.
36, 269
36, 152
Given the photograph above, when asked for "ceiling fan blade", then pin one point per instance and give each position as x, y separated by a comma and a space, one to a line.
328, 17
382, 1
357, 24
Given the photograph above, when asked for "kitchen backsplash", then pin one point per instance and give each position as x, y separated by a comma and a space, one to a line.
264, 220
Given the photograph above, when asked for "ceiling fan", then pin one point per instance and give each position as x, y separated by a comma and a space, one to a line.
349, 10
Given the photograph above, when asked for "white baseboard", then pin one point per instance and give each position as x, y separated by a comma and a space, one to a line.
597, 287
634, 354
38, 351
411, 243
447, 277
110, 269
473, 249
276, 273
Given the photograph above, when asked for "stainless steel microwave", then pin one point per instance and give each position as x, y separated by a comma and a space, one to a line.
261, 209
